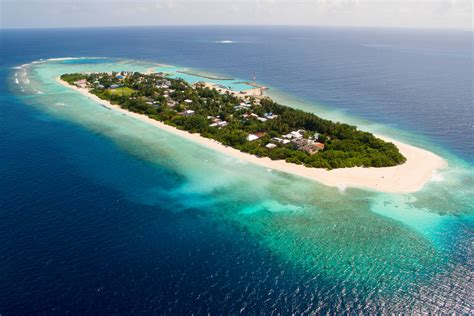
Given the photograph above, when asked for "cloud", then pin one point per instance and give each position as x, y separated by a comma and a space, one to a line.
378, 13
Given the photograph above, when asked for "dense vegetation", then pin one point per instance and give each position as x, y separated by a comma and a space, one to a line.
231, 117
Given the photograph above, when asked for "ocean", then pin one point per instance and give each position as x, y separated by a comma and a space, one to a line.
101, 213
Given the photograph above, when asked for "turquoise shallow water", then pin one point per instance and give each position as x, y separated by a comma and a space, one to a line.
196, 76
377, 240
110, 214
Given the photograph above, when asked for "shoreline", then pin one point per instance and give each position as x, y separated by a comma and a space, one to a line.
408, 177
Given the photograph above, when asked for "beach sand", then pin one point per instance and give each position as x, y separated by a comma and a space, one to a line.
411, 176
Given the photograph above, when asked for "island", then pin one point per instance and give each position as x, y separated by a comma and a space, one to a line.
256, 129
253, 124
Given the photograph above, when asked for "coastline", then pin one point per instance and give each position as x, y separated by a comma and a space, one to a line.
411, 176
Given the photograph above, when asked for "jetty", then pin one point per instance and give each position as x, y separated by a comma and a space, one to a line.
203, 76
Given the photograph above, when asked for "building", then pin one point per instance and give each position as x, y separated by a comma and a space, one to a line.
319, 145
296, 134
280, 140
270, 116
219, 123
252, 137
188, 101
81, 83
308, 145
188, 113
242, 105
271, 146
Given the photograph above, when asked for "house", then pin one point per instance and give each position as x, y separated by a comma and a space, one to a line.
214, 119
280, 140
188, 113
261, 119
271, 146
114, 86
242, 105
296, 134
308, 145
81, 83
313, 147
219, 123
252, 137
188, 101
271, 117
319, 145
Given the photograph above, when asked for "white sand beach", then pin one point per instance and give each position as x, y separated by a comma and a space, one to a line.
411, 176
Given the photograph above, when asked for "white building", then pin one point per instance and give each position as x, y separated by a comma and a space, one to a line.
270, 146
295, 134
252, 137
280, 140
219, 123
81, 83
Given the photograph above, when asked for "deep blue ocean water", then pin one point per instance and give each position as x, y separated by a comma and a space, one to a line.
105, 218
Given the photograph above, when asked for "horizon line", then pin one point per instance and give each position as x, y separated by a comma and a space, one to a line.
372, 27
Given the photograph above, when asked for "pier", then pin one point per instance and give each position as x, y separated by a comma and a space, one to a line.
202, 76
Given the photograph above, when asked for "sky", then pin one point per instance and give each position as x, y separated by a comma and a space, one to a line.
439, 14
